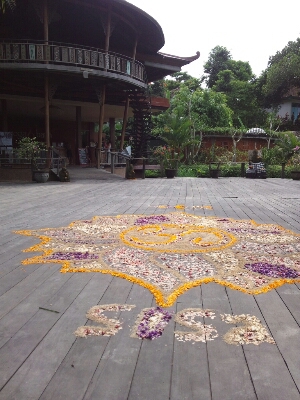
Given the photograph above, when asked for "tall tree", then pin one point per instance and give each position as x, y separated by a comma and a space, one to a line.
241, 98
218, 60
283, 72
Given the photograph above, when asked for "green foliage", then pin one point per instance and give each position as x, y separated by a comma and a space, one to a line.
283, 72
176, 132
241, 96
236, 80
272, 156
158, 88
33, 150
180, 78
294, 161
241, 70
202, 170
209, 109
218, 60
190, 171
227, 170
152, 174
286, 143
204, 108
29, 148
230, 170
167, 155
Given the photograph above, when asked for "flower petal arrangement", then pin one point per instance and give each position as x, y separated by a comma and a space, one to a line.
169, 254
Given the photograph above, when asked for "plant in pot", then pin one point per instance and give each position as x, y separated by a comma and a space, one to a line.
174, 130
168, 158
35, 151
295, 163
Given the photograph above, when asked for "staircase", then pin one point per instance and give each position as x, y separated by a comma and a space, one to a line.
141, 128
57, 162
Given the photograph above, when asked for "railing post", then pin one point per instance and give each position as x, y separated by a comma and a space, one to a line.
283, 170
161, 167
144, 167
243, 169
112, 163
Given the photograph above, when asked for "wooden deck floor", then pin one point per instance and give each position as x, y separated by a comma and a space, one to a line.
40, 358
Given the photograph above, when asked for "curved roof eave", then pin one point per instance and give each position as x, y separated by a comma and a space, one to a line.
181, 60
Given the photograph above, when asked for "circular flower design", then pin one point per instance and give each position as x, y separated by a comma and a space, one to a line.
171, 253
179, 238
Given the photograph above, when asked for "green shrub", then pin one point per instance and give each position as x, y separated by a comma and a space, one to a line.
152, 173
229, 170
187, 171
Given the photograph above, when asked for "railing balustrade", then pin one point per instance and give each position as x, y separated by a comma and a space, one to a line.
66, 54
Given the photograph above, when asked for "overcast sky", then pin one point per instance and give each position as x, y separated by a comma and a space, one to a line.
252, 31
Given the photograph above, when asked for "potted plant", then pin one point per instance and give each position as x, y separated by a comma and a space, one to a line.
168, 158
32, 149
295, 163
214, 169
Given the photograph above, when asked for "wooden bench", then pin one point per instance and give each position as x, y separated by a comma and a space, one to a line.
140, 169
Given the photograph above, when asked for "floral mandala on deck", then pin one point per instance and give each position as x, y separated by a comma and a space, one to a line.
171, 253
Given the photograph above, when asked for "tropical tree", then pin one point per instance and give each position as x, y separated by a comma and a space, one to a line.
203, 107
241, 98
158, 88
176, 132
283, 72
218, 60
287, 142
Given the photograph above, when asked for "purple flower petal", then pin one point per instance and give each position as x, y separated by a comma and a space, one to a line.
274, 271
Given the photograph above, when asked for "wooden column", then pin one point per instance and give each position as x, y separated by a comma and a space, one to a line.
134, 53
101, 120
112, 132
46, 22
78, 126
134, 48
4, 115
108, 28
47, 113
47, 102
125, 119
107, 37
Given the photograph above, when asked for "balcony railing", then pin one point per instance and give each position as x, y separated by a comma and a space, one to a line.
73, 55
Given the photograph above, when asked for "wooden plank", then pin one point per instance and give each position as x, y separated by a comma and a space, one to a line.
284, 329
290, 295
24, 288
116, 365
45, 357
86, 354
229, 374
114, 373
193, 384
154, 367
13, 321
267, 365
16, 351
